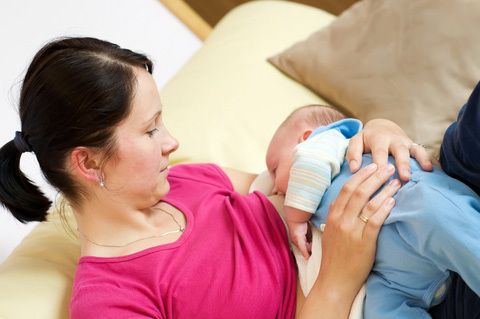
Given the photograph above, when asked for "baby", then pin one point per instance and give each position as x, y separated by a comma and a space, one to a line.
307, 162
432, 230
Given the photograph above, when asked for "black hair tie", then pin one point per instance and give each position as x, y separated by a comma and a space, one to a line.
20, 143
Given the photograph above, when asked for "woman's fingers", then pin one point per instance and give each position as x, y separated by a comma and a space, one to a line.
377, 204
375, 222
349, 187
361, 195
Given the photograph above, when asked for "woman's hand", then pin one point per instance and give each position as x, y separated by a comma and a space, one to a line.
381, 138
349, 241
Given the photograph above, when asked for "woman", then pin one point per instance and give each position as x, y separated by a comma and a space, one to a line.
181, 242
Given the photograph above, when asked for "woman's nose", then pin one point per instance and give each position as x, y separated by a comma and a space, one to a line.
170, 146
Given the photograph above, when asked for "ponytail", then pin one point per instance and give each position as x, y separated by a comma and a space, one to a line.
17, 193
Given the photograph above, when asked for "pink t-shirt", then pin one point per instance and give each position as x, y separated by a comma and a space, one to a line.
232, 261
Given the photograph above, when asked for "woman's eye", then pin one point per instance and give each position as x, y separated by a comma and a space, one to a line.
150, 133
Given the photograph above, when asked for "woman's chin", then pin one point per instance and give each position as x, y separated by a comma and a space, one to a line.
163, 189
157, 195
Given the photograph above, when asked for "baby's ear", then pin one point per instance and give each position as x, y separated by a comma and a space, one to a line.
305, 135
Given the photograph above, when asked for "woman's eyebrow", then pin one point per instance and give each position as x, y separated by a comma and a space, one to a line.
152, 118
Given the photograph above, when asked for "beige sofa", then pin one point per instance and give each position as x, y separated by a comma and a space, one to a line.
223, 106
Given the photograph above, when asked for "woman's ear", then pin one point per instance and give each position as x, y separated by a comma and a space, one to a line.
305, 135
85, 164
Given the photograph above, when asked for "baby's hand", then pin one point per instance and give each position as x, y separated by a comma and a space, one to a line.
298, 235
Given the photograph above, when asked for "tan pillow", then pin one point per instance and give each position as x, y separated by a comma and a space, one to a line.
412, 61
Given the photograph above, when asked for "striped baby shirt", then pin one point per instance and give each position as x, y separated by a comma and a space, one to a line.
316, 162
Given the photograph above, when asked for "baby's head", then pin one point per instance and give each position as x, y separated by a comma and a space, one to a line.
295, 129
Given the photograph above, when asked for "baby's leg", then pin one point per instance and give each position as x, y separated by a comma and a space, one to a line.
385, 302
404, 283
445, 228
432, 230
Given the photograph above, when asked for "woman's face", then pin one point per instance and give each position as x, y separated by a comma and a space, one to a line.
138, 171
280, 157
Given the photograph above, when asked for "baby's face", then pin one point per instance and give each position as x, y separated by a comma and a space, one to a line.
280, 156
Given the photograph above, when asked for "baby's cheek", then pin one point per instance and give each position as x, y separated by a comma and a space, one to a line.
282, 185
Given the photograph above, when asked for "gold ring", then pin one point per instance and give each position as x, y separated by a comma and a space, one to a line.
363, 218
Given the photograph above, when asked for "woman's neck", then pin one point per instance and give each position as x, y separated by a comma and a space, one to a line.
102, 225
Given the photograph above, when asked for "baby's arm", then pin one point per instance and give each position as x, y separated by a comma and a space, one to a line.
297, 222
316, 161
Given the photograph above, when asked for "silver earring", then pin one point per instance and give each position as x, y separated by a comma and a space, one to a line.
102, 181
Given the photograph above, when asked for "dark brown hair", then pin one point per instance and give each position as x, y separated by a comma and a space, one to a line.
75, 91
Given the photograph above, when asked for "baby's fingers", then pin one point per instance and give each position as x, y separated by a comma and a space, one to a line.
355, 152
401, 154
419, 153
301, 243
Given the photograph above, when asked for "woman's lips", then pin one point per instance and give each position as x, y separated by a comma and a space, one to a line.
165, 169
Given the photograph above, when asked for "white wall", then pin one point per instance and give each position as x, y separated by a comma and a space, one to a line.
25, 25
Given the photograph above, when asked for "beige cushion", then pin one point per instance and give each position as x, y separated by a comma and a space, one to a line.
36, 279
412, 61
223, 107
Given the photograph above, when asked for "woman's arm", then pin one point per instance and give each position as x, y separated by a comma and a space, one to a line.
241, 181
349, 243
383, 137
